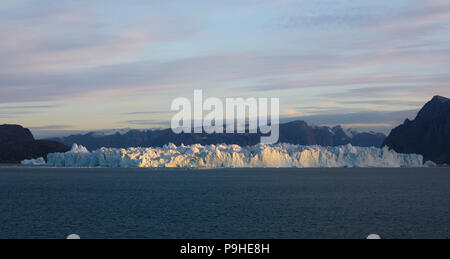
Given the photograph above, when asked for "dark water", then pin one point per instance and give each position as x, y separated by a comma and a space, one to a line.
270, 203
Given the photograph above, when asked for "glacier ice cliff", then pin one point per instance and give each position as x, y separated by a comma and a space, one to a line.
234, 156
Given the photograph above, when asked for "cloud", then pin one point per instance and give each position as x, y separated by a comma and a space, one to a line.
421, 91
410, 19
386, 102
27, 107
331, 56
144, 113
131, 77
383, 120
51, 127
292, 112
330, 20
136, 77
326, 75
90, 60
422, 17
50, 131
152, 123
74, 35
18, 110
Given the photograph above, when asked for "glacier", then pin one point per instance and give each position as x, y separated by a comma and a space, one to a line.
233, 156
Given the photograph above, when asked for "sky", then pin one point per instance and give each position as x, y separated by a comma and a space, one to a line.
72, 66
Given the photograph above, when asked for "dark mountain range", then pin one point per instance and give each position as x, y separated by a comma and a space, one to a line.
297, 132
368, 139
428, 134
17, 144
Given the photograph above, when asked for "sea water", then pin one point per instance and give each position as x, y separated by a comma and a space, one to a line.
224, 203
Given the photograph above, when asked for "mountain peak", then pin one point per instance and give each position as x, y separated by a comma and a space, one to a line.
16, 132
438, 98
427, 135
436, 107
17, 143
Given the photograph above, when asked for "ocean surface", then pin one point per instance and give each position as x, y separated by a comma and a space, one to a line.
225, 203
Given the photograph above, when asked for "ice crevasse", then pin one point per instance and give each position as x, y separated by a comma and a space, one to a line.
233, 156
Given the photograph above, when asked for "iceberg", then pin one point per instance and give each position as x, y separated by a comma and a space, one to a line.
234, 156
33, 162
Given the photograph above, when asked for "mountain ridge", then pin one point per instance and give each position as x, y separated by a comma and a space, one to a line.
17, 143
295, 132
428, 134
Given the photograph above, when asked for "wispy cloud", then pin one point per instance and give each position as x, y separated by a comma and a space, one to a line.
74, 35
51, 127
386, 102
410, 19
27, 107
112, 59
144, 113
226, 68
153, 123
